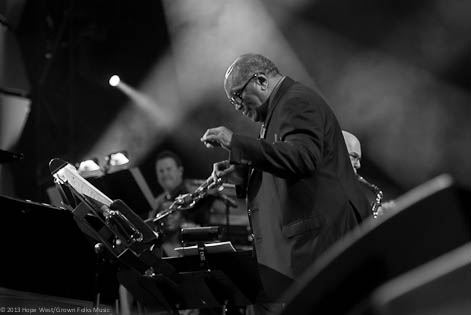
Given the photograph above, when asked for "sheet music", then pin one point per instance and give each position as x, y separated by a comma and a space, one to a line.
68, 174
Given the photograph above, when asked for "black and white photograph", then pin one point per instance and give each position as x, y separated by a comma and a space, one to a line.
235, 157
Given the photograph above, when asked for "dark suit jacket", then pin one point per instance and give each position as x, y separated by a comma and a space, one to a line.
301, 191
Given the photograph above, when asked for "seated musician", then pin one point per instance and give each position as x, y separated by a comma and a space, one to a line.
372, 192
169, 170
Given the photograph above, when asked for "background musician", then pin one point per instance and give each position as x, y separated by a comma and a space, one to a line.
169, 171
372, 192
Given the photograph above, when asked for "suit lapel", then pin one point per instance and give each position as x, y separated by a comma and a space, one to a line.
255, 177
275, 100
253, 171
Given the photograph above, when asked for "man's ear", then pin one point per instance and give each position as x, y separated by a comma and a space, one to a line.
262, 80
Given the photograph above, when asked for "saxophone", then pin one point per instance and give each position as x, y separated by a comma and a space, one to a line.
188, 201
379, 195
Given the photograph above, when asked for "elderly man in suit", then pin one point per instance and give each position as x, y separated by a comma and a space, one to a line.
301, 191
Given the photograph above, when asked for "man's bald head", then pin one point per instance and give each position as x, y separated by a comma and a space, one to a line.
354, 149
244, 67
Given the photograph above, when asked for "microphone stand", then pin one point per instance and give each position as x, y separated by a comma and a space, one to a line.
228, 210
99, 247
228, 202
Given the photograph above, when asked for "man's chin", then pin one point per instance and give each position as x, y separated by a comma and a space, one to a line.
252, 116
168, 185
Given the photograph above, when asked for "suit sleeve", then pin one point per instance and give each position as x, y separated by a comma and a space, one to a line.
297, 151
242, 172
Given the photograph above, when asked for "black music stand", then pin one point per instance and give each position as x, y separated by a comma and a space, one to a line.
113, 225
139, 256
226, 280
205, 279
231, 281
128, 185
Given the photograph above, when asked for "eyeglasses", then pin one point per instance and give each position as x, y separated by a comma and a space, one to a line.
354, 157
236, 98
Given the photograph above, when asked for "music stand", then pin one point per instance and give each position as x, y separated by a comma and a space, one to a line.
227, 279
128, 185
110, 223
230, 281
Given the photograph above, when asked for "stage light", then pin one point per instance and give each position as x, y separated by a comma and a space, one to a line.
181, 80
90, 168
114, 80
116, 161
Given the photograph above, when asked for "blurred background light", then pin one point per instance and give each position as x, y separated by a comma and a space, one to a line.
396, 75
187, 81
114, 80
116, 161
90, 168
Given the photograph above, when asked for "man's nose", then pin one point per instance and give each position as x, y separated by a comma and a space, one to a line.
357, 164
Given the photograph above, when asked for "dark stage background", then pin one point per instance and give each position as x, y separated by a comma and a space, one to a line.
397, 74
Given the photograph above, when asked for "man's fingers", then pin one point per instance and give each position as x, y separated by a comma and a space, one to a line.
221, 169
226, 171
223, 174
221, 165
211, 143
212, 134
217, 137
209, 139
208, 145
209, 133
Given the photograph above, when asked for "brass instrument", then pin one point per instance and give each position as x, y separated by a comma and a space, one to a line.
379, 195
188, 201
